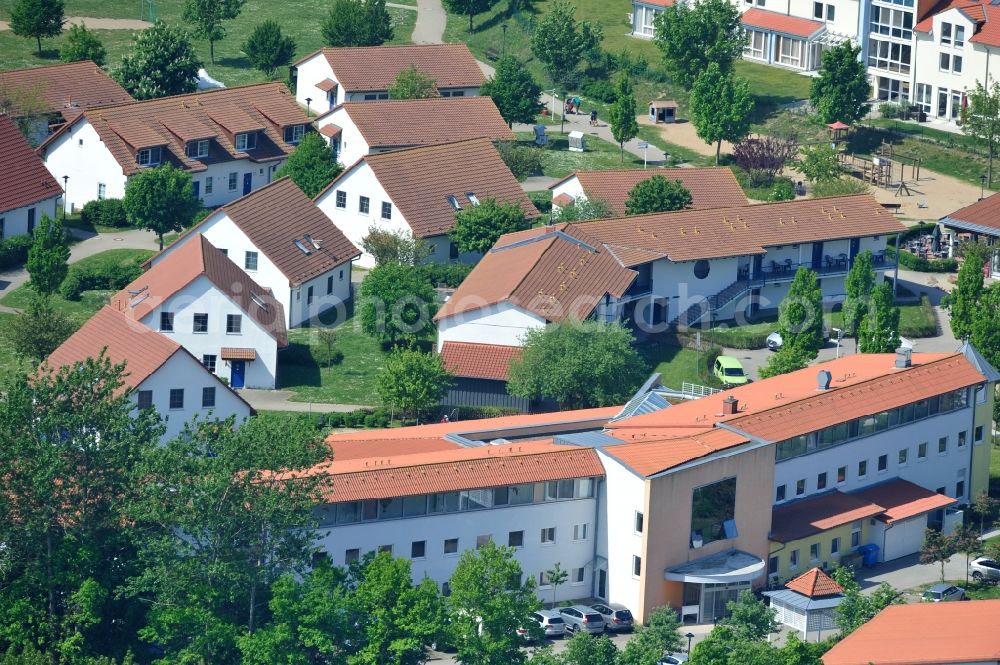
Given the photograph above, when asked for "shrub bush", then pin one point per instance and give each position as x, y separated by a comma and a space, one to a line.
891, 111
523, 161
446, 274
111, 274
783, 189
602, 90
920, 264
104, 212
843, 186
14, 251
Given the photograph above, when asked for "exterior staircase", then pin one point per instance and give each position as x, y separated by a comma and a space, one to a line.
702, 308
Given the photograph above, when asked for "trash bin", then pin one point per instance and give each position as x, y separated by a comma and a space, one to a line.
869, 554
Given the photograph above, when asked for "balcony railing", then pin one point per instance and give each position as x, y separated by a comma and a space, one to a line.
779, 271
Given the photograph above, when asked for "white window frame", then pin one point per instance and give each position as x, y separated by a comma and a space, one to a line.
297, 132
148, 160
200, 149
244, 142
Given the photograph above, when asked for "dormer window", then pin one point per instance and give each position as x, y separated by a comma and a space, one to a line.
294, 133
246, 141
197, 149
148, 157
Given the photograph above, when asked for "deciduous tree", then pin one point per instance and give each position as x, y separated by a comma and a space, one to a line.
985, 507
819, 163
764, 157
161, 62
560, 42
967, 542
468, 8
694, 35
660, 635
858, 609
514, 91
657, 194
966, 295
721, 106
161, 199
48, 257
578, 364
37, 18
412, 382
477, 228
985, 334
800, 314
311, 165
82, 44
208, 16
357, 23
879, 330
38, 330
582, 209
267, 48
981, 120
397, 304
621, 113
750, 618
858, 285
489, 603
937, 548
413, 83
841, 91
786, 359
556, 577
395, 247
585, 649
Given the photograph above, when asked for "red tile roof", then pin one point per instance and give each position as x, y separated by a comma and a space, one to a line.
420, 180
549, 274
924, 634
452, 470
984, 14
188, 262
649, 458
814, 583
657, 3
982, 213
348, 450
143, 349
126, 127
412, 122
783, 23
709, 187
375, 68
24, 180
478, 361
278, 214
902, 499
65, 88
808, 517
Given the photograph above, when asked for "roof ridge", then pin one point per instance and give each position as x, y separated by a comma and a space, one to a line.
184, 95
389, 154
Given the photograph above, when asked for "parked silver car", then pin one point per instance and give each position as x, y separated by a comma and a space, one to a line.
581, 617
551, 622
673, 659
984, 569
617, 617
940, 593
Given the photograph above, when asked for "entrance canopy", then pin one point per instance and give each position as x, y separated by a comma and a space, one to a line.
723, 568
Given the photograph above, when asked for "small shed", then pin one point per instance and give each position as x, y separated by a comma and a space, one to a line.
663, 110
576, 141
838, 130
809, 602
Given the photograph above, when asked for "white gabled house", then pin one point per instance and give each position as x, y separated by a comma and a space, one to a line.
418, 191
331, 76
231, 141
27, 190
159, 372
199, 298
356, 129
285, 243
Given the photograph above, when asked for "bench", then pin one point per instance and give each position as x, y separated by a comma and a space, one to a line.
893, 207
492, 54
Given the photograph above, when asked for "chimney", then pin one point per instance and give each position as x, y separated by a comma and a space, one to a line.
730, 406
903, 358
823, 379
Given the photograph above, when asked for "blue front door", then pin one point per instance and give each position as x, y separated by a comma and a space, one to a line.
237, 375
247, 183
197, 189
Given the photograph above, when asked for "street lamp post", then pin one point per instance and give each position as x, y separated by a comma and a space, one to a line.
982, 186
65, 192
504, 49
690, 637
308, 102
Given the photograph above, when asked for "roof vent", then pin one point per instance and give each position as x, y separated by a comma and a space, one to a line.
302, 248
823, 379
309, 239
903, 358
730, 406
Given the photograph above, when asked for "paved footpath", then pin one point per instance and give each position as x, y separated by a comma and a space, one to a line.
99, 23
280, 400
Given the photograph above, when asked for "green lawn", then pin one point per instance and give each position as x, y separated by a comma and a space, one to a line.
679, 364
558, 161
232, 68
350, 382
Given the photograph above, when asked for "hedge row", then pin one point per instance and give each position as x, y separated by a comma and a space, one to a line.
110, 274
920, 264
380, 417
14, 251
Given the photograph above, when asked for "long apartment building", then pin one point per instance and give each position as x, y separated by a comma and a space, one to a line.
925, 52
652, 504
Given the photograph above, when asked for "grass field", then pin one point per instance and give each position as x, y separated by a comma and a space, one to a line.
231, 67
679, 364
350, 382
558, 161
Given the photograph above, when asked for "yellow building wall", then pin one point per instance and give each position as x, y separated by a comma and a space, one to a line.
979, 480
666, 538
784, 550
